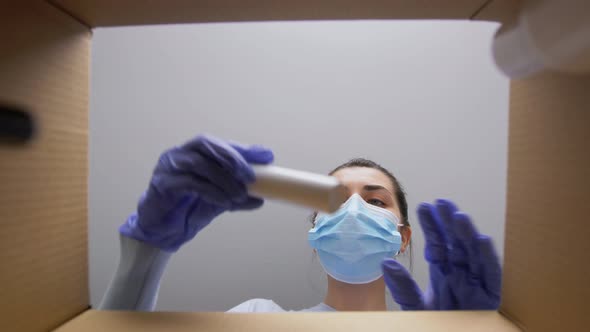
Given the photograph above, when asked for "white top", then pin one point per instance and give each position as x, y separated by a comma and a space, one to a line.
264, 305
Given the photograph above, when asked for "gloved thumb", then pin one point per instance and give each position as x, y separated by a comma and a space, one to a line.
403, 288
256, 154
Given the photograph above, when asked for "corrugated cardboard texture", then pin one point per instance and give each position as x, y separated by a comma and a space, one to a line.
482, 321
98, 13
546, 269
44, 64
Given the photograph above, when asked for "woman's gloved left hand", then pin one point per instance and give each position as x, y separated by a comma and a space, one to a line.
465, 272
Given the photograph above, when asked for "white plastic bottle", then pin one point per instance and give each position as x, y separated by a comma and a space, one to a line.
548, 34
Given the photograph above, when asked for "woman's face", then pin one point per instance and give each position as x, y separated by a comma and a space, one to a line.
376, 189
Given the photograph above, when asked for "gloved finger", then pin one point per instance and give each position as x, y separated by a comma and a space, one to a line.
446, 209
189, 183
435, 250
457, 255
467, 235
404, 290
180, 161
251, 203
224, 155
490, 264
256, 154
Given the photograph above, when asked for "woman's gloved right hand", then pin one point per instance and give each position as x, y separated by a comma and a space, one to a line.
190, 186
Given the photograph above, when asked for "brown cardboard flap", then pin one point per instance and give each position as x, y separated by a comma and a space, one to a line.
499, 10
457, 321
44, 57
97, 13
546, 270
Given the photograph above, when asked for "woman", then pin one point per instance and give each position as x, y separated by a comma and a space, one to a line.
194, 183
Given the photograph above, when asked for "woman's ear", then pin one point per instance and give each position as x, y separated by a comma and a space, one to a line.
406, 232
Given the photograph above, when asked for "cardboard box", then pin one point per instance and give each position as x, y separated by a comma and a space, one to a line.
44, 66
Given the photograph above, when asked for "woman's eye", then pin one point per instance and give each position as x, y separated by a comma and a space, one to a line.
376, 202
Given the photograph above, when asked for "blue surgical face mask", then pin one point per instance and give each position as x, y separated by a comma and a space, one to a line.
353, 241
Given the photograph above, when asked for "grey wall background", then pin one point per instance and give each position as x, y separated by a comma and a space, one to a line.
422, 98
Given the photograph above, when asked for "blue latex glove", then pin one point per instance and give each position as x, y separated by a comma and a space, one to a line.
190, 186
465, 272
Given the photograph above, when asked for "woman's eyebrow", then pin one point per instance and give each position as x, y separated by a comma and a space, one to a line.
375, 187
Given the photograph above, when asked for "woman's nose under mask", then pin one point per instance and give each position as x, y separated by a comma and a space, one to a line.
353, 241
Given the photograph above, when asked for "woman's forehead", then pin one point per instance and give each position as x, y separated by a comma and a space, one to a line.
358, 177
